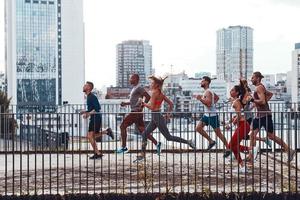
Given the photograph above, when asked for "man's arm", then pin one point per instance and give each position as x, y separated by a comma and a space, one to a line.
216, 98
268, 95
146, 95
125, 103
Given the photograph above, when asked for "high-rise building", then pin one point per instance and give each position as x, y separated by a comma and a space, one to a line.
201, 74
44, 51
296, 74
133, 56
281, 77
2, 82
269, 80
234, 53
193, 85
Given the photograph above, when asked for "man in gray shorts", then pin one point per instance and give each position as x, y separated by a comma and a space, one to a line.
136, 115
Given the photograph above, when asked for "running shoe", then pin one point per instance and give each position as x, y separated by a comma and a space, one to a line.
158, 148
192, 144
211, 145
139, 159
227, 153
268, 143
255, 152
96, 156
122, 150
242, 170
110, 133
291, 155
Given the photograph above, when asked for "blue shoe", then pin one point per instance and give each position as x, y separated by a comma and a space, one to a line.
227, 153
268, 143
122, 150
158, 148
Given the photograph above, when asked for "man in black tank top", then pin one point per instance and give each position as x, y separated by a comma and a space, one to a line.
263, 117
95, 119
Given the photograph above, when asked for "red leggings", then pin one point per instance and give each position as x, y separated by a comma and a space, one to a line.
239, 134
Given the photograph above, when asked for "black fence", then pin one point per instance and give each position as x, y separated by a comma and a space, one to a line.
48, 153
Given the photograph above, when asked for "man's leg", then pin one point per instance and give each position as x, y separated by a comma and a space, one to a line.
200, 129
221, 136
253, 135
128, 121
214, 122
91, 138
279, 141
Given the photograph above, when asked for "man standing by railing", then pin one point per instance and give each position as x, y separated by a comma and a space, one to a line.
210, 117
95, 121
263, 117
135, 116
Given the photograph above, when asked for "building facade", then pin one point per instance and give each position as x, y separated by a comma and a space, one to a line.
281, 77
296, 74
2, 82
193, 86
44, 58
201, 74
234, 53
269, 80
133, 56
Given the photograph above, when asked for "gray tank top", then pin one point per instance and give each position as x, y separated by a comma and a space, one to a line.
212, 110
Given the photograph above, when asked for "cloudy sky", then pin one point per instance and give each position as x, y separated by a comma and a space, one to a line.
183, 33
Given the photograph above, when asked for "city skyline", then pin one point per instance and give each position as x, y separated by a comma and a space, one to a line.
45, 59
183, 34
133, 56
234, 53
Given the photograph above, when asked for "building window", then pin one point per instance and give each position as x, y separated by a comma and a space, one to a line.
35, 1
27, 1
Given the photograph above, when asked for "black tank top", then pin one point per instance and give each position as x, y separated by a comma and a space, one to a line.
262, 110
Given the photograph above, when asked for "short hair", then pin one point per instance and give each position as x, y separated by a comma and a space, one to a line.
206, 78
136, 75
258, 74
91, 84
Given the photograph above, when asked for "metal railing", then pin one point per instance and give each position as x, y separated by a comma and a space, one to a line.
48, 153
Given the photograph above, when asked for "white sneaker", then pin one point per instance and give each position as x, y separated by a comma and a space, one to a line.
255, 152
241, 170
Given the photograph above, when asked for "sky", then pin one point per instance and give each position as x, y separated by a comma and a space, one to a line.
183, 33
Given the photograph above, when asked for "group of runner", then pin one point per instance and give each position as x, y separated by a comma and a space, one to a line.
247, 123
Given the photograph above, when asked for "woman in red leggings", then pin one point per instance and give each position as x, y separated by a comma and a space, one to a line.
237, 93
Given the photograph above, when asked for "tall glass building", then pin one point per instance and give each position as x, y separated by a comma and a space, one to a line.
296, 75
133, 56
234, 53
45, 59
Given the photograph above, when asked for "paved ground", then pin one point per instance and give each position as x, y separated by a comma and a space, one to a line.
188, 172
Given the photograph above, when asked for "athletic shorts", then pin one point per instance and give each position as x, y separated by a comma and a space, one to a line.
95, 125
133, 118
265, 122
213, 121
